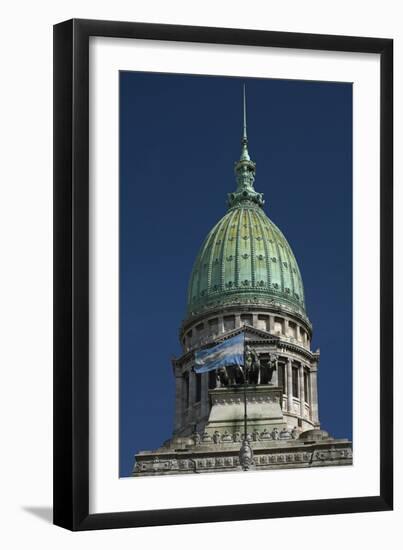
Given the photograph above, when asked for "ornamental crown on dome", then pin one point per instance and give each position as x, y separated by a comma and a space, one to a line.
245, 171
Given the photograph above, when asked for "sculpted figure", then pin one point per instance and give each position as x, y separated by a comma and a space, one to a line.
231, 375
217, 437
227, 438
248, 362
206, 438
268, 368
245, 455
274, 433
239, 374
273, 360
285, 434
196, 437
254, 371
294, 433
237, 437
265, 435
252, 366
256, 436
222, 377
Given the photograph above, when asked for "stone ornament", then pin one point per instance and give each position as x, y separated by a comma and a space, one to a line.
217, 437
206, 437
265, 435
246, 455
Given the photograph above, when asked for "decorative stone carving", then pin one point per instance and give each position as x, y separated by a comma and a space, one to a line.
222, 377
206, 438
256, 436
155, 464
275, 434
265, 435
285, 434
246, 455
295, 433
252, 365
267, 368
227, 437
217, 437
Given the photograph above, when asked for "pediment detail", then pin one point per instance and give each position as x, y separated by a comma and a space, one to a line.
251, 333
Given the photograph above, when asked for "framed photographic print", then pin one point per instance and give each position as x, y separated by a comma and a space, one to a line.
223, 274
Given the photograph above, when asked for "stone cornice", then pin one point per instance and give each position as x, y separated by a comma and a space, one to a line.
205, 458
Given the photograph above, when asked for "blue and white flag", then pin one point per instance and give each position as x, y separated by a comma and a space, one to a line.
227, 353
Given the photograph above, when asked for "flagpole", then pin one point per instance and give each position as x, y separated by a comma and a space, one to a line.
245, 452
245, 416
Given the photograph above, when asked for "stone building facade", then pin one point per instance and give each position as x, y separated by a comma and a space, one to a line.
246, 279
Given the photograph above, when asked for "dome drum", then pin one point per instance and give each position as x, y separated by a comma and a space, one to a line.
278, 322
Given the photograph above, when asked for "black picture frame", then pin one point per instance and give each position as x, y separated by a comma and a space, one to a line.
71, 274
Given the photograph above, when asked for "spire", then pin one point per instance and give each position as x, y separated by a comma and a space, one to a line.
245, 170
244, 142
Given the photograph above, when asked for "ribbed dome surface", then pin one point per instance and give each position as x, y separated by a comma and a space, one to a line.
245, 259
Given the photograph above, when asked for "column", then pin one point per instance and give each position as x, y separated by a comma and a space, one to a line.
221, 328
286, 328
299, 336
178, 401
271, 324
301, 389
204, 394
289, 385
254, 320
314, 394
237, 321
192, 388
184, 391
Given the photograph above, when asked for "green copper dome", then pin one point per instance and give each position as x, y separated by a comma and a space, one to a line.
245, 259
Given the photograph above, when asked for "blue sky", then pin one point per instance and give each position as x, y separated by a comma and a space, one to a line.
179, 138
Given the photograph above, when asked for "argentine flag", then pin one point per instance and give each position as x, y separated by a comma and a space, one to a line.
225, 354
